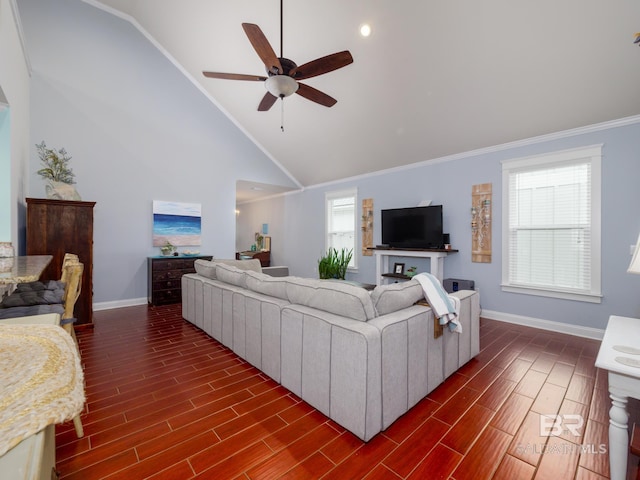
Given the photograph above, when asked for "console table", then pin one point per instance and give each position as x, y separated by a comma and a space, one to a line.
619, 350
263, 255
436, 256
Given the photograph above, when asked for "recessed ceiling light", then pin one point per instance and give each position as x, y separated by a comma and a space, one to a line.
365, 30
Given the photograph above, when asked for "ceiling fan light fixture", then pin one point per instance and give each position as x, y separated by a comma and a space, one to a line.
281, 86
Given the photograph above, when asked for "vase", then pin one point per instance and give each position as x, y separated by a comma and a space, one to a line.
61, 191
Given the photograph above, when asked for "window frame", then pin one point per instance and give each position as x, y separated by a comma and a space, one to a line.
591, 154
329, 197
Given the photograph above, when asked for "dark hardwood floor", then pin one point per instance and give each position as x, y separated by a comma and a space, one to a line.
165, 401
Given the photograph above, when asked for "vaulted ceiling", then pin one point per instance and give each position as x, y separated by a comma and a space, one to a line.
435, 77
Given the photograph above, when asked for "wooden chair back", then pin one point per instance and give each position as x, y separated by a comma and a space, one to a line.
73, 285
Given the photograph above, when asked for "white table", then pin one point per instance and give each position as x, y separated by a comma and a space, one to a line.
624, 382
436, 255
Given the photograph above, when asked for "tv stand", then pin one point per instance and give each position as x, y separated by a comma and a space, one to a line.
435, 255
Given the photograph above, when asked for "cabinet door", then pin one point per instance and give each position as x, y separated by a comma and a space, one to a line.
56, 227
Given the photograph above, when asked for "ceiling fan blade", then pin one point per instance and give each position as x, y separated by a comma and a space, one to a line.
234, 76
314, 95
267, 102
322, 65
263, 48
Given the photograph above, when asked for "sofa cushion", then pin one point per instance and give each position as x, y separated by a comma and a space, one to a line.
207, 268
339, 298
231, 274
267, 285
396, 296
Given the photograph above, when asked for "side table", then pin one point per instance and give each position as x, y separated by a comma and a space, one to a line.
620, 355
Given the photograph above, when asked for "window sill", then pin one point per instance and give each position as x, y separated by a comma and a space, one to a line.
563, 295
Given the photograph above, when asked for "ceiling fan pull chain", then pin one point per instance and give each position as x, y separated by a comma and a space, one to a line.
282, 114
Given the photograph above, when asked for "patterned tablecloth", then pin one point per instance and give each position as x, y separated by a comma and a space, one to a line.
41, 380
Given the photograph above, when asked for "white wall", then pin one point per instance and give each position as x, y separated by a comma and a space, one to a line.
137, 130
5, 175
14, 81
250, 218
449, 183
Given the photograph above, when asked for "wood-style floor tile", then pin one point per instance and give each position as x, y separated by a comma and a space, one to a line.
297, 451
468, 428
580, 389
313, 467
440, 463
168, 402
495, 396
360, 462
416, 446
531, 383
596, 457
452, 409
512, 468
528, 443
549, 399
484, 457
560, 460
512, 413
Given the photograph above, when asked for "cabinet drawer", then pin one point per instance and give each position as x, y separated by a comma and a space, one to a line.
167, 264
167, 285
161, 297
166, 275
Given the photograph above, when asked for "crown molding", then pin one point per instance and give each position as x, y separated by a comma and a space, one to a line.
621, 122
18, 23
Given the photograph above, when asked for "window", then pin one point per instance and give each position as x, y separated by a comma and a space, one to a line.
341, 222
551, 225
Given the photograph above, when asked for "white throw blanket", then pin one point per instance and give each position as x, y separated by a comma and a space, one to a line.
444, 306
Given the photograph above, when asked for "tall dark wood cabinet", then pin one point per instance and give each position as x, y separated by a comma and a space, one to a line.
56, 227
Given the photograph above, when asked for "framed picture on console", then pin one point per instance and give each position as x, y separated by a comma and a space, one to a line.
398, 268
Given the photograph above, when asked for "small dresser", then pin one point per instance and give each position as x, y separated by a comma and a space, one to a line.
165, 277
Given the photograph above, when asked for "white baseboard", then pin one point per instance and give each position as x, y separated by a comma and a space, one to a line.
131, 302
558, 327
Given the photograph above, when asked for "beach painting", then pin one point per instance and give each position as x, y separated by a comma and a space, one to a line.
177, 223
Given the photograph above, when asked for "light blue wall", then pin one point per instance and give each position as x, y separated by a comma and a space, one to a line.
449, 183
137, 130
5, 176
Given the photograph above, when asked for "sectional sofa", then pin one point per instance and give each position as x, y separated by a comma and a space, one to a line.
361, 358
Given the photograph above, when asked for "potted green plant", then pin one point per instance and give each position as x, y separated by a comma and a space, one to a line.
55, 169
333, 264
167, 249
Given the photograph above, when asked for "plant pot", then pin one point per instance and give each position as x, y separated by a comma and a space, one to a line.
61, 191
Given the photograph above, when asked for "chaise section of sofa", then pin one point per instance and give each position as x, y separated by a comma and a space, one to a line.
363, 359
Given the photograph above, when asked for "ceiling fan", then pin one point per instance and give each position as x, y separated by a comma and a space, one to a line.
283, 74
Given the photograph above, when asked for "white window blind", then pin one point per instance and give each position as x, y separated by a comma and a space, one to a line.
341, 222
552, 225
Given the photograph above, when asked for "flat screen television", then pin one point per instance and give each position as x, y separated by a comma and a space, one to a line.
415, 227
